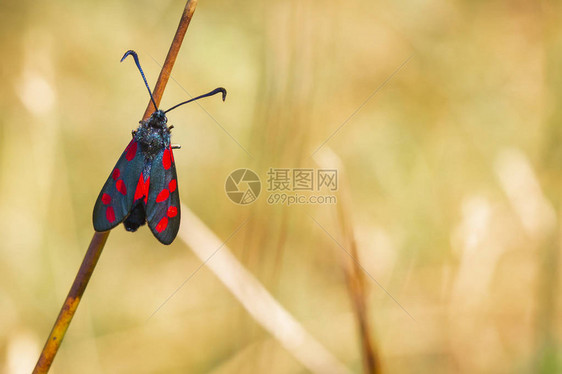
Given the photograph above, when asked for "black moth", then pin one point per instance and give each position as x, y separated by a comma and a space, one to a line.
143, 185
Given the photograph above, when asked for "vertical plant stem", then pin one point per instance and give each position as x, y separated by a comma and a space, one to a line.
357, 287
98, 241
353, 272
71, 303
171, 57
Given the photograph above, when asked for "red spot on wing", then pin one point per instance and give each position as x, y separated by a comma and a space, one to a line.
120, 185
172, 185
172, 211
167, 159
161, 226
131, 151
142, 188
110, 214
116, 173
106, 199
163, 195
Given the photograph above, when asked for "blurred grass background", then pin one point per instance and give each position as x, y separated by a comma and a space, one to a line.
452, 172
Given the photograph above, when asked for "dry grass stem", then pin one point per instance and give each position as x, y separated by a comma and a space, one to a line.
255, 298
98, 241
354, 274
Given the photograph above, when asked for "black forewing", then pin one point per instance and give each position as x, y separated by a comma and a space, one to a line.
116, 197
163, 205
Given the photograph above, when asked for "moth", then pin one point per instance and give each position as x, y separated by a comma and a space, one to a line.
143, 185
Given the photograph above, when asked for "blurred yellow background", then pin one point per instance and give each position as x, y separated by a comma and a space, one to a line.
443, 119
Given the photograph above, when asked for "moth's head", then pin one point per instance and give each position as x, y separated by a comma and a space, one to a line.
158, 119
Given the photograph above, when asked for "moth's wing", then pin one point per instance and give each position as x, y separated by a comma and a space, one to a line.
163, 205
116, 197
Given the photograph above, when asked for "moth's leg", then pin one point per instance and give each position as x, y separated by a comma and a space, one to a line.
176, 146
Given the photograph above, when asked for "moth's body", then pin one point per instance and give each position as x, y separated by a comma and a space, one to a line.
142, 186
153, 134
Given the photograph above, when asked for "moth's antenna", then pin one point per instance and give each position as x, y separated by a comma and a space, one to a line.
213, 92
134, 54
